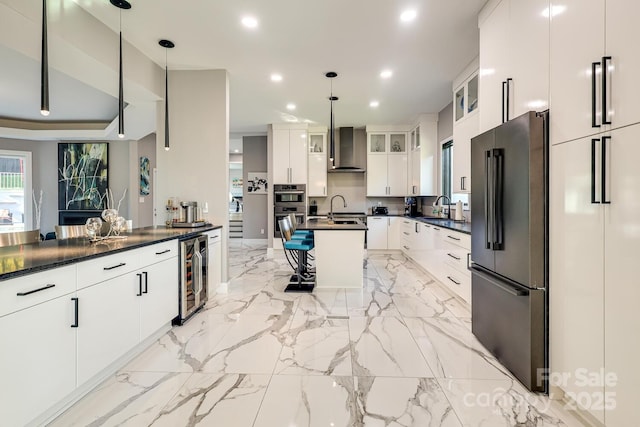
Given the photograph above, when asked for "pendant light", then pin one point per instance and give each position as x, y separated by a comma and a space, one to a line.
44, 65
332, 145
121, 4
168, 44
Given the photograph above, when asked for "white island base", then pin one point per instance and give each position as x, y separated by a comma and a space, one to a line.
339, 257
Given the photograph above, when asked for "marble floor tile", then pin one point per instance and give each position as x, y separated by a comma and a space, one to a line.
372, 300
315, 345
452, 351
332, 302
270, 301
251, 346
215, 400
383, 346
466, 321
127, 399
410, 402
184, 348
457, 307
498, 403
420, 304
293, 400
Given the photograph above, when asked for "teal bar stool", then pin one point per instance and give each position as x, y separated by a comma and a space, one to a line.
298, 234
304, 279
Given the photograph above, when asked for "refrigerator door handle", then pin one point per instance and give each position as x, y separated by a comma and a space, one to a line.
517, 291
498, 218
488, 232
594, 88
603, 183
593, 171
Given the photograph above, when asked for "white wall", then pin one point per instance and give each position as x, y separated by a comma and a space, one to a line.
197, 165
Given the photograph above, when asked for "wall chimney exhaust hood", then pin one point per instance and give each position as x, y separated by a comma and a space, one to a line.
346, 158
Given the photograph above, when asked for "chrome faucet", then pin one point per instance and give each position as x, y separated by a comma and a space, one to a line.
449, 205
343, 201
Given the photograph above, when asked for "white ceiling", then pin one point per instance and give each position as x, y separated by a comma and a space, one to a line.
301, 40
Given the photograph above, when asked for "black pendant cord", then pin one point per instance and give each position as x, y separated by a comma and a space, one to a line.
44, 64
332, 146
120, 95
167, 44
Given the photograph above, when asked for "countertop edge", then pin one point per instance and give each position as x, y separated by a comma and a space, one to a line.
188, 232
463, 227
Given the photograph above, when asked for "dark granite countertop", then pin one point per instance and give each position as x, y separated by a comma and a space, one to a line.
30, 258
340, 224
462, 227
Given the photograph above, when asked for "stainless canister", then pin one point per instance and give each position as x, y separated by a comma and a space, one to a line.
190, 210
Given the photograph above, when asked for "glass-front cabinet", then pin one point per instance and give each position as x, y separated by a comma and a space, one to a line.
378, 143
465, 98
317, 143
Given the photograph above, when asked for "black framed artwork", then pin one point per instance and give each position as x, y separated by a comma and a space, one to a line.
82, 175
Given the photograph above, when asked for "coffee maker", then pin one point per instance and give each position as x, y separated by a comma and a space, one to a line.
410, 206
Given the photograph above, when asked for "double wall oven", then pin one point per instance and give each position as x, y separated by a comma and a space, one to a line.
288, 199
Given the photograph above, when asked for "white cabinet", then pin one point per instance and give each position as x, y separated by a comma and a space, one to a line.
463, 131
215, 260
514, 60
423, 165
317, 186
577, 94
383, 232
289, 155
591, 296
38, 357
387, 163
159, 301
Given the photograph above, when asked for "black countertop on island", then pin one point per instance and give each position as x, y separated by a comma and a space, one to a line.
33, 257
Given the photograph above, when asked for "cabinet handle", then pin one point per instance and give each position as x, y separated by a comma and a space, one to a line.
509, 80
115, 266
21, 294
454, 257
504, 84
406, 247
603, 184
468, 260
594, 65
146, 282
454, 238
404, 232
605, 110
76, 304
453, 280
139, 294
163, 252
417, 229
436, 228
593, 171
462, 183
324, 190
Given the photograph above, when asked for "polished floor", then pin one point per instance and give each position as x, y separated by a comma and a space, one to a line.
400, 352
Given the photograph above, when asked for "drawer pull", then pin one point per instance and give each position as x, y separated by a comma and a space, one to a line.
163, 252
404, 232
21, 294
122, 264
76, 304
454, 238
454, 281
406, 247
427, 226
454, 257
436, 228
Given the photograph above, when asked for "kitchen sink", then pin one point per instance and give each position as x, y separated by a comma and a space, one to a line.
345, 221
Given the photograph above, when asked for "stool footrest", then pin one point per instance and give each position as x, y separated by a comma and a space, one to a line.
302, 287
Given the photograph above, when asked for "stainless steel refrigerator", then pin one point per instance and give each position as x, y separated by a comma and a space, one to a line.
509, 230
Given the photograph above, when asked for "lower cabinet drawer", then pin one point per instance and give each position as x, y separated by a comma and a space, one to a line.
457, 281
104, 268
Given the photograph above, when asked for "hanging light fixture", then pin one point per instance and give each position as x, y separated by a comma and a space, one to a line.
121, 4
44, 65
168, 44
332, 143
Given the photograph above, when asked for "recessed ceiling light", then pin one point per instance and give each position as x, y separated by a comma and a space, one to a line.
408, 15
291, 106
374, 104
236, 151
276, 77
385, 74
249, 22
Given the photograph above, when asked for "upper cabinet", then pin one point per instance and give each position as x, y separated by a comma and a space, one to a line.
593, 87
289, 154
514, 60
423, 157
387, 162
465, 125
317, 161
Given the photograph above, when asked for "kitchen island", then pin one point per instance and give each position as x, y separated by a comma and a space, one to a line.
339, 251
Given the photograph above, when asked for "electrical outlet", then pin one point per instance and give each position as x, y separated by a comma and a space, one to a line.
205, 209
262, 231
141, 200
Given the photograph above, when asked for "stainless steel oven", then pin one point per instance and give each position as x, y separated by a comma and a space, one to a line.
193, 276
288, 199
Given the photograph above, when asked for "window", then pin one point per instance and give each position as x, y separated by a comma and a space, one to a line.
447, 173
16, 200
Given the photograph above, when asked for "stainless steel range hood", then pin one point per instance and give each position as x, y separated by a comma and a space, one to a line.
346, 161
